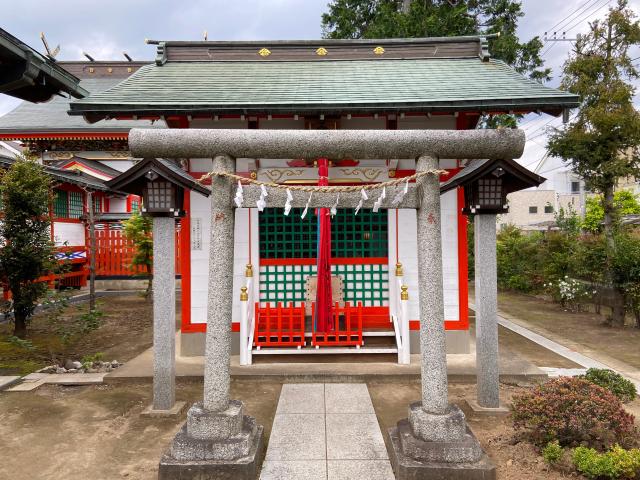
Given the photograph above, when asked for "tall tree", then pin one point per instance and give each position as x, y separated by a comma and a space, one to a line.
27, 253
435, 18
601, 144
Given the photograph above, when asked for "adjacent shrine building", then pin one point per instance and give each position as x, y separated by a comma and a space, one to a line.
398, 84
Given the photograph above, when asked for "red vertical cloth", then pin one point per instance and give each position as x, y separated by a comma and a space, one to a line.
324, 317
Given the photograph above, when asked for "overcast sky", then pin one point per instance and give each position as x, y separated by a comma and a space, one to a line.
106, 29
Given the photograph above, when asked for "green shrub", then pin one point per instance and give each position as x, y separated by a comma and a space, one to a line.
616, 463
517, 258
614, 382
574, 412
553, 452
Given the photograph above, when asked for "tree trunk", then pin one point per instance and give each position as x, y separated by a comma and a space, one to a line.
92, 253
20, 326
617, 307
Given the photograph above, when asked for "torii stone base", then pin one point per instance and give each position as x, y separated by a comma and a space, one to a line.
215, 446
437, 447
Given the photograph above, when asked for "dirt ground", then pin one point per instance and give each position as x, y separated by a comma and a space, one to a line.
96, 432
586, 328
126, 331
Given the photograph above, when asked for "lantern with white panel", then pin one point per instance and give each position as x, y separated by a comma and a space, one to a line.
161, 184
486, 185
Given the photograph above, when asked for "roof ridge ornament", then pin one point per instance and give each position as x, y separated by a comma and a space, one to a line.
483, 50
321, 51
379, 50
264, 52
161, 54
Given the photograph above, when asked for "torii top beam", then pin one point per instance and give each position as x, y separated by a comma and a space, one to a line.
334, 144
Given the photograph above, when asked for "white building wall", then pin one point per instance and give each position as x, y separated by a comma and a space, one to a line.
117, 204
68, 233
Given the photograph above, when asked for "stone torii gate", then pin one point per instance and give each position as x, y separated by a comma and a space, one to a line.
218, 440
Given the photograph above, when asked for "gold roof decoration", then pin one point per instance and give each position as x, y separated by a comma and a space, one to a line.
321, 51
264, 52
378, 50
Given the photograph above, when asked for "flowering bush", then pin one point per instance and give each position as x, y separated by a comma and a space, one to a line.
569, 292
574, 412
616, 463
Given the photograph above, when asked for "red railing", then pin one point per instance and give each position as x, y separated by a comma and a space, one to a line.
347, 329
279, 326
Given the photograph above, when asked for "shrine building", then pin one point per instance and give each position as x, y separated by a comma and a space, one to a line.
394, 84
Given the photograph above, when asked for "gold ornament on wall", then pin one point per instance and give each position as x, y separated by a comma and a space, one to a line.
264, 52
378, 50
321, 51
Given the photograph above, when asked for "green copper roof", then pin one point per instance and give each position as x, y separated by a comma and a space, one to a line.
350, 86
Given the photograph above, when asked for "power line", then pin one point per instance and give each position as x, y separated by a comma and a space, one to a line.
572, 13
593, 12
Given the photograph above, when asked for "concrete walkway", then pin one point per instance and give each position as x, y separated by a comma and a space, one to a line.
568, 349
326, 432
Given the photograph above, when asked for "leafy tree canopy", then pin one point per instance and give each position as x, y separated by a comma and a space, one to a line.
625, 202
601, 143
27, 253
439, 18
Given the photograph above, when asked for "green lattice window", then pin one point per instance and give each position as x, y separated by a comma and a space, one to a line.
75, 205
61, 204
97, 204
287, 236
368, 284
359, 236
352, 236
135, 206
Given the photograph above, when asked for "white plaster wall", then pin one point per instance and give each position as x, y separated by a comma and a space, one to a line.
117, 204
71, 233
200, 210
408, 255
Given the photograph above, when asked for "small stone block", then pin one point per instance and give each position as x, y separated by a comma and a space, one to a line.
205, 424
7, 381
466, 449
243, 468
439, 428
406, 468
177, 409
477, 409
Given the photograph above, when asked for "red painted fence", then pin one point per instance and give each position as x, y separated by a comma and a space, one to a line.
114, 252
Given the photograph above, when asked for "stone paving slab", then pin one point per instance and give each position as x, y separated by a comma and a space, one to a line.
340, 440
75, 378
294, 470
297, 436
301, 398
359, 469
27, 386
354, 437
8, 380
348, 398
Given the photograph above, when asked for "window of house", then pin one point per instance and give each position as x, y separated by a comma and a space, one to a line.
67, 204
575, 187
135, 206
97, 204
533, 209
548, 209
